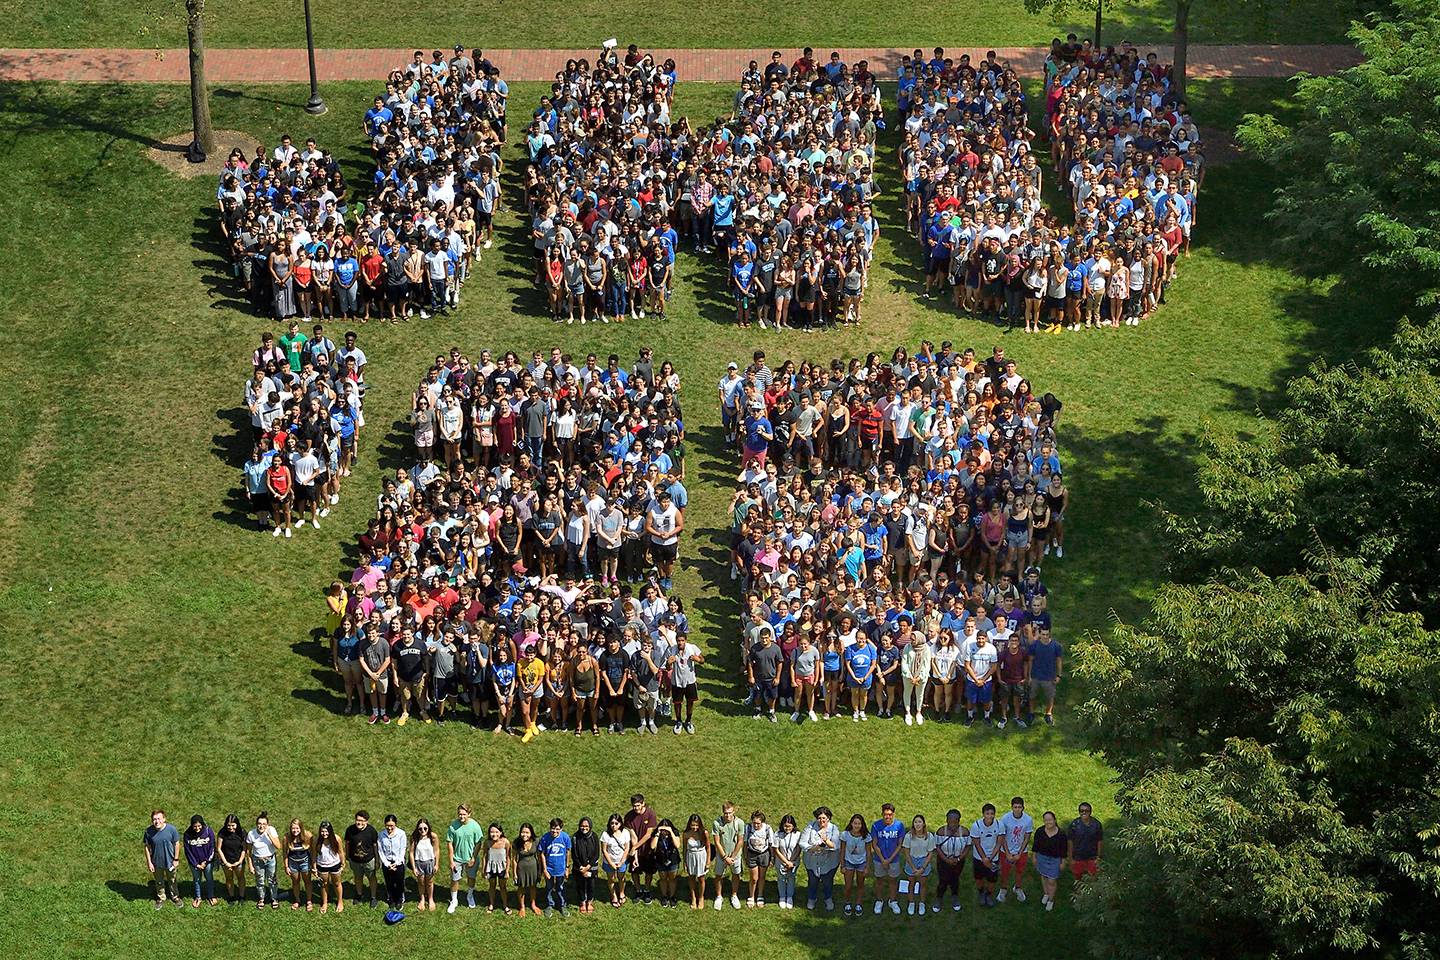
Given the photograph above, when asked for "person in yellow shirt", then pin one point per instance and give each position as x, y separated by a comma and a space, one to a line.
532, 690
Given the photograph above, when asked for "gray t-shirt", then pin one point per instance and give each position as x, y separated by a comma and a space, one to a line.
162, 845
766, 660
804, 661
442, 661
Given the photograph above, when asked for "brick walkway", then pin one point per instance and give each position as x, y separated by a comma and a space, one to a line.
229, 65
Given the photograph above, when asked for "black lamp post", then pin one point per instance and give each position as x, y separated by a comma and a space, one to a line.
315, 104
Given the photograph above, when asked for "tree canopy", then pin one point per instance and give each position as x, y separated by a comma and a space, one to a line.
1361, 194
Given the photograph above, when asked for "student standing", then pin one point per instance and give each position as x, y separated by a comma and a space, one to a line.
162, 855
665, 848
617, 846
727, 834
759, 839
200, 851
1087, 842
820, 844
232, 858
555, 865
919, 854
329, 859
586, 859
525, 852
298, 863
952, 843
1052, 847
361, 840
424, 855
462, 839
392, 848
264, 843
855, 857
497, 867
985, 838
1019, 826
885, 836
787, 861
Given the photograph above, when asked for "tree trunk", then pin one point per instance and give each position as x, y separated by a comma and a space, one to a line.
204, 140
1099, 16
1182, 45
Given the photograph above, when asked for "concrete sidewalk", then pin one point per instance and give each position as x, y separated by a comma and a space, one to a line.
232, 65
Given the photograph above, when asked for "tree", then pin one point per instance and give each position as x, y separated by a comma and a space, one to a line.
1277, 743
1361, 167
1349, 468
203, 142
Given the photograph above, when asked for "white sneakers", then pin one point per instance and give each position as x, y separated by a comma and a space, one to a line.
287, 533
795, 717
894, 907
910, 909
919, 719
922, 908
275, 532
879, 906
1000, 895
451, 908
735, 900
812, 716
909, 720
719, 903
1019, 894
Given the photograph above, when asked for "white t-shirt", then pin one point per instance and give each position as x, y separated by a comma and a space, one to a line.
988, 836
262, 845
616, 844
919, 847
1016, 830
666, 522
684, 670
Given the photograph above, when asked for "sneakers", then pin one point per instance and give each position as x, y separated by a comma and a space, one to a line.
919, 719
384, 718
879, 905
1021, 723
275, 532
864, 715
1000, 724
451, 908
895, 907
795, 717
909, 720
1000, 895
813, 717
287, 533
855, 716
374, 719
719, 903
910, 908
1049, 720
689, 727
1019, 894
735, 900
404, 718
678, 727
829, 904
955, 906
1049, 905
848, 909
1059, 552
470, 899
772, 717
922, 908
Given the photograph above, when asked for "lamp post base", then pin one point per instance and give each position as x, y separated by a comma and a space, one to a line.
315, 105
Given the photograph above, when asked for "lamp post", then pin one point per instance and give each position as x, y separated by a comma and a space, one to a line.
315, 105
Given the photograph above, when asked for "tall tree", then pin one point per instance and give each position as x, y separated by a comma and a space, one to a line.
1278, 749
203, 142
1362, 165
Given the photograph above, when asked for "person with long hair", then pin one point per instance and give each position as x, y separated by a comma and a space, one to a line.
262, 846
918, 852
665, 851
393, 847
200, 850
525, 858
696, 843
328, 855
298, 842
497, 867
855, 858
787, 861
759, 840
231, 851
617, 849
424, 856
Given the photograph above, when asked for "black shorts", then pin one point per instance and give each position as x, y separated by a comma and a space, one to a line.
983, 872
663, 552
304, 493
1055, 303
261, 502
686, 693
441, 687
483, 219
646, 861
397, 292
608, 699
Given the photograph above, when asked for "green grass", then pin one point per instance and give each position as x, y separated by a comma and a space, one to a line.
660, 24
162, 649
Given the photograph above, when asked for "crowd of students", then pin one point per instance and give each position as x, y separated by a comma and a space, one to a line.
637, 857
888, 534
304, 398
522, 566
1124, 150
604, 158
282, 226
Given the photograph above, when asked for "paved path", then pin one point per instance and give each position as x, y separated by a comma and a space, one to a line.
231, 65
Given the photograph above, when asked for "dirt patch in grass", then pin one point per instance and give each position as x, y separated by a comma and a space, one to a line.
170, 153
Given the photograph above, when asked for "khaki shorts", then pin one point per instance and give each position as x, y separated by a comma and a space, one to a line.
720, 867
350, 670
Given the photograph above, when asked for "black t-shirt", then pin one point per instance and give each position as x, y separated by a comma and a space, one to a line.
409, 659
1056, 846
614, 666
360, 844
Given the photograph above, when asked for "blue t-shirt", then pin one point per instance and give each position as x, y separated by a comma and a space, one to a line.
753, 427
556, 849
743, 273
724, 209
859, 657
345, 269
1044, 660
504, 674
887, 837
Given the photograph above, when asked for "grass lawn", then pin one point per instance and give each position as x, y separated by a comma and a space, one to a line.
197, 684
658, 23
